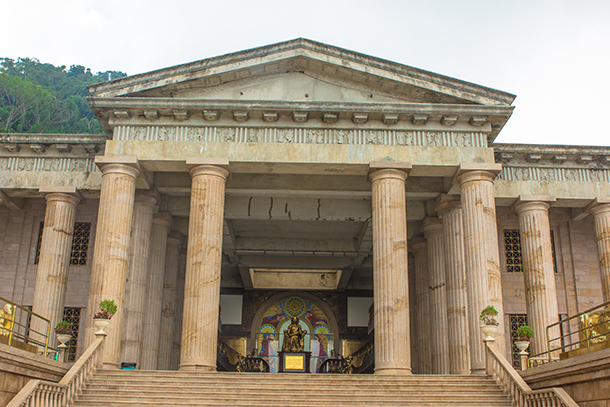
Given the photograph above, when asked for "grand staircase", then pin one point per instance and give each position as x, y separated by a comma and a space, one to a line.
162, 388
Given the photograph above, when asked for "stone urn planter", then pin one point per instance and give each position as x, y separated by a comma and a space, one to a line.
101, 324
522, 346
63, 339
488, 331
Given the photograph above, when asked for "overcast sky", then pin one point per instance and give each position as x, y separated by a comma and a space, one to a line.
554, 55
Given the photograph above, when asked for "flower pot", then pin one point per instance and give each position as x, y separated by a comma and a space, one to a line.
63, 339
522, 346
100, 324
489, 330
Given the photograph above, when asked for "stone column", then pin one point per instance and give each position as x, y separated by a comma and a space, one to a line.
111, 254
204, 257
433, 230
600, 208
55, 250
137, 277
483, 279
168, 311
162, 222
179, 310
538, 271
390, 274
450, 209
420, 252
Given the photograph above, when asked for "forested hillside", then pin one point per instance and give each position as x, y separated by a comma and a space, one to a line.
41, 98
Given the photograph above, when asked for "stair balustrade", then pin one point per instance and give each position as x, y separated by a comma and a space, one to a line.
42, 393
517, 389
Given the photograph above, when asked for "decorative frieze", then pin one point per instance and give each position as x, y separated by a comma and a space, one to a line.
301, 135
47, 164
545, 174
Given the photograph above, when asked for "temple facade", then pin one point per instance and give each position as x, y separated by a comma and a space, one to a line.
364, 197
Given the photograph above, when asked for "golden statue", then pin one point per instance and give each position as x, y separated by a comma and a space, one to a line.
294, 337
6, 320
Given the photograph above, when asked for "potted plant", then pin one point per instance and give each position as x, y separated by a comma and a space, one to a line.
524, 336
101, 319
489, 324
64, 332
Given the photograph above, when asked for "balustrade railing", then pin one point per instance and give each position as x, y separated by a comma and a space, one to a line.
16, 326
517, 389
592, 333
41, 393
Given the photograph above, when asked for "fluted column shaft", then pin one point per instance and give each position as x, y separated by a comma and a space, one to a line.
538, 271
168, 310
179, 310
601, 217
390, 274
450, 210
420, 252
111, 254
204, 255
154, 290
433, 230
482, 259
52, 272
137, 278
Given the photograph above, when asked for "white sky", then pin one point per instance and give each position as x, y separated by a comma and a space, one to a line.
554, 54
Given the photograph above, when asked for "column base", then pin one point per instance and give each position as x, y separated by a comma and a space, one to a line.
110, 366
388, 371
478, 372
192, 367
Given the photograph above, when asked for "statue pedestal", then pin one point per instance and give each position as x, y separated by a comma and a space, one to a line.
294, 362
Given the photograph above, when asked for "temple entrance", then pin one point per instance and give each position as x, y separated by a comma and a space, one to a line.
313, 315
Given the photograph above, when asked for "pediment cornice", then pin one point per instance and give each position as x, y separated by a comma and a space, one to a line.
301, 55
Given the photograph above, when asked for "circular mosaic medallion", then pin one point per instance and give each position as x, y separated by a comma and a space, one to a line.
295, 307
322, 329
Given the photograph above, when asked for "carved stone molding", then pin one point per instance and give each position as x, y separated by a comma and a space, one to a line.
47, 164
545, 174
301, 135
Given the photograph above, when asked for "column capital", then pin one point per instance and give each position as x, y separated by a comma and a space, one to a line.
163, 219
127, 165
419, 243
147, 196
431, 225
600, 204
447, 202
219, 167
175, 238
60, 193
532, 203
388, 169
477, 172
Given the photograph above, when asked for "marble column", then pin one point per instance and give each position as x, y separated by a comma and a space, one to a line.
204, 257
420, 252
168, 311
538, 270
111, 254
600, 208
162, 222
390, 274
52, 271
137, 277
179, 309
449, 208
439, 335
483, 280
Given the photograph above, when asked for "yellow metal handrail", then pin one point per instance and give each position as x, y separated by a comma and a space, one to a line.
16, 329
589, 332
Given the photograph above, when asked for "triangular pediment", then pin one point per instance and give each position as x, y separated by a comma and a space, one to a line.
301, 70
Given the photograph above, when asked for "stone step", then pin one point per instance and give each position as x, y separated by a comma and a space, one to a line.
193, 389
